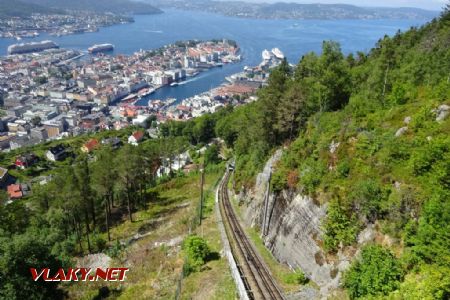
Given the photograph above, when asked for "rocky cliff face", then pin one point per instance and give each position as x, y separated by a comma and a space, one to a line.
290, 225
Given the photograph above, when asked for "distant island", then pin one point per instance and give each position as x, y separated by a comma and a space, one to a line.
284, 10
121, 7
28, 18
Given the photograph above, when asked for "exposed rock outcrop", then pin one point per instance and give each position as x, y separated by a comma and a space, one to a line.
401, 131
291, 228
294, 238
254, 214
290, 225
94, 261
442, 112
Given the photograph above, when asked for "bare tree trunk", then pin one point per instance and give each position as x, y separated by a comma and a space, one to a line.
78, 232
107, 218
129, 205
87, 238
110, 203
87, 230
141, 191
112, 200
92, 204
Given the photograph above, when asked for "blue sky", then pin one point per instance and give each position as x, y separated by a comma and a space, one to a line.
426, 4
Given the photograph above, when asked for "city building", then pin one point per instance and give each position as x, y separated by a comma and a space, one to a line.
136, 138
56, 153
25, 160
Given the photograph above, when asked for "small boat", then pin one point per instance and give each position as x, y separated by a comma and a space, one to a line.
174, 84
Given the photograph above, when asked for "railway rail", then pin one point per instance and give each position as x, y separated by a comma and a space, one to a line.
257, 279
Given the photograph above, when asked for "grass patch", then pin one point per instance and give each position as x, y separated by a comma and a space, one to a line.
156, 260
214, 281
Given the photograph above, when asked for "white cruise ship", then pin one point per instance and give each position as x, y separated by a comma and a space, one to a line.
266, 55
278, 54
101, 48
31, 47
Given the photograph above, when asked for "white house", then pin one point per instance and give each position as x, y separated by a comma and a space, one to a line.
135, 138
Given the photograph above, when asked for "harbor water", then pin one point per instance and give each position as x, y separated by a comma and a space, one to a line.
293, 37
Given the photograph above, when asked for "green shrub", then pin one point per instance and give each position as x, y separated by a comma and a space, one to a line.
98, 242
401, 94
358, 106
311, 174
116, 250
197, 251
376, 272
425, 157
432, 282
212, 155
367, 197
343, 168
278, 181
402, 203
423, 118
429, 237
297, 277
340, 226
397, 150
368, 144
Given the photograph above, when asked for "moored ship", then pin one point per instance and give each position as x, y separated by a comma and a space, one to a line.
31, 47
277, 53
101, 48
266, 55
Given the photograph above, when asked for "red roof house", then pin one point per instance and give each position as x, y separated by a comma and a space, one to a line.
136, 137
14, 191
25, 161
89, 146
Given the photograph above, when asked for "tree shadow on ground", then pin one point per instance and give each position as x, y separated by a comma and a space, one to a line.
213, 256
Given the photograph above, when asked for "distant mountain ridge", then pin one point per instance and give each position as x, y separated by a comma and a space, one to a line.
284, 10
15, 8
98, 6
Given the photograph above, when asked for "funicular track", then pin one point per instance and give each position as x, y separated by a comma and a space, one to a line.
256, 276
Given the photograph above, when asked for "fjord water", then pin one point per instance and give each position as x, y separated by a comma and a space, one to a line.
293, 37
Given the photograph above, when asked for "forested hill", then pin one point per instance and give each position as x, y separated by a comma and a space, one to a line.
368, 134
99, 6
289, 10
15, 8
